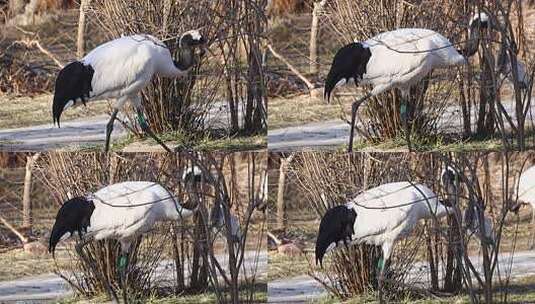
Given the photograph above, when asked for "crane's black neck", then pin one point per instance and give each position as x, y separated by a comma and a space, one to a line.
185, 59
472, 44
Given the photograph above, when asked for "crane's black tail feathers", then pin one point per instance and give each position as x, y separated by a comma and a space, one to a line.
73, 83
335, 226
73, 216
349, 62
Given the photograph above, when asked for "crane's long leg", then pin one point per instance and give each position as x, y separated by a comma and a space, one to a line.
79, 249
109, 129
354, 109
404, 115
383, 266
123, 273
145, 126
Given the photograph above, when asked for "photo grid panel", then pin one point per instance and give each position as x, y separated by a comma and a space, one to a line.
267, 151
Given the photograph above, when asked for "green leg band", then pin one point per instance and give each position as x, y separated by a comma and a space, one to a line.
403, 109
381, 264
141, 119
121, 263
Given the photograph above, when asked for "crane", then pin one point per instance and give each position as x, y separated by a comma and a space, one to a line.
120, 69
379, 216
526, 195
122, 211
397, 59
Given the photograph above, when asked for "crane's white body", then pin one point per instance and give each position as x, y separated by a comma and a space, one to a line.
390, 66
126, 210
526, 188
526, 194
125, 66
404, 205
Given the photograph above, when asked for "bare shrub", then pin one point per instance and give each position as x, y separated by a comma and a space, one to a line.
450, 254
200, 258
185, 105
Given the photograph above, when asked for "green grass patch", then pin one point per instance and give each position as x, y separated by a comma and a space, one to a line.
440, 143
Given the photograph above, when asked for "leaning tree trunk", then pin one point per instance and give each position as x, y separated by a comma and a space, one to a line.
80, 42
26, 196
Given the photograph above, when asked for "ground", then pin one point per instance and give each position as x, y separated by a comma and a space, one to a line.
26, 125
302, 122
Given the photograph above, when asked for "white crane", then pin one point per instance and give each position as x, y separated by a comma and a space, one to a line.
379, 216
122, 211
397, 59
526, 195
120, 69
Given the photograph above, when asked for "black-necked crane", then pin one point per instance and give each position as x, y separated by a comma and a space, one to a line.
120, 69
397, 59
122, 211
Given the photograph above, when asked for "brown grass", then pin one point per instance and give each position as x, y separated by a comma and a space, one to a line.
18, 112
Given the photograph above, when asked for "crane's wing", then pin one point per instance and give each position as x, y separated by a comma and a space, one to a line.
391, 206
120, 63
404, 52
125, 207
526, 185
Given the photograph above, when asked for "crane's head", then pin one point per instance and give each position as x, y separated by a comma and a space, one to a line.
217, 217
192, 38
450, 182
482, 228
480, 20
349, 63
336, 228
192, 175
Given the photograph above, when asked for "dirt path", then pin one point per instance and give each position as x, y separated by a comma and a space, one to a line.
303, 289
330, 135
48, 287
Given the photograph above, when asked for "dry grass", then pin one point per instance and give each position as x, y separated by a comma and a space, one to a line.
282, 266
302, 109
17, 112
22, 264
520, 291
